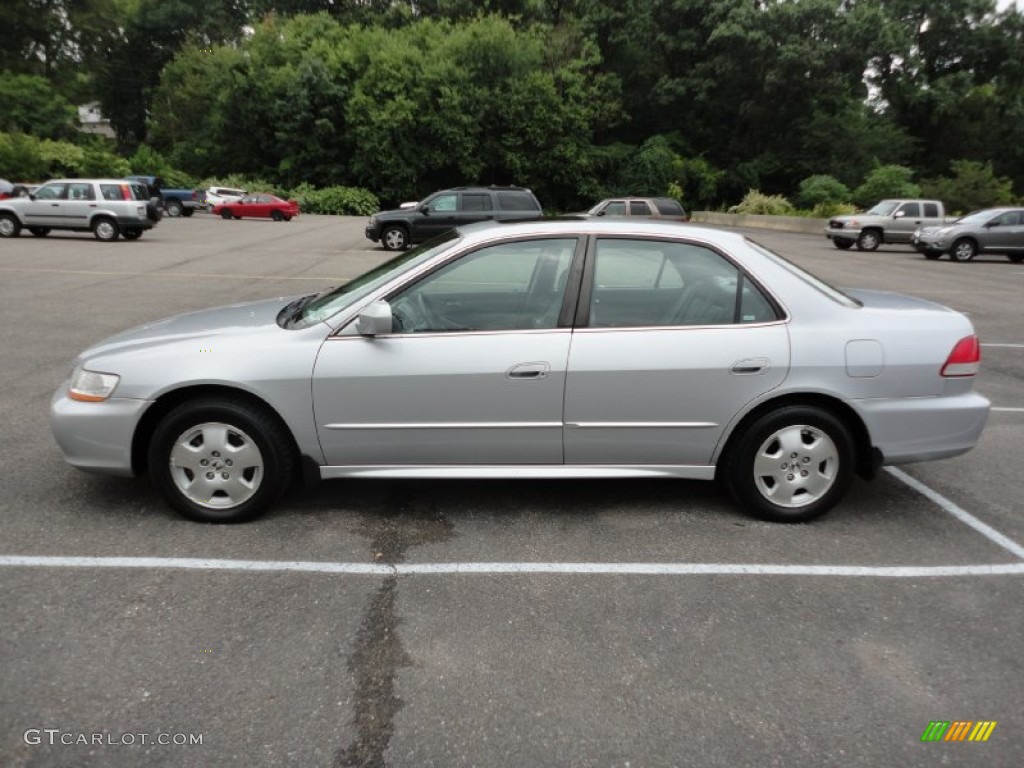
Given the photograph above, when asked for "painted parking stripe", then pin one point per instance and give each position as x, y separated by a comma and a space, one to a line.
413, 569
1011, 346
1007, 410
958, 512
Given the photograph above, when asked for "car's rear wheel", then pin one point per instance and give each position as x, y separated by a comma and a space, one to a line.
221, 460
963, 249
39, 231
186, 212
173, 208
106, 230
277, 216
132, 234
225, 213
868, 240
841, 243
791, 465
9, 226
1016, 258
394, 239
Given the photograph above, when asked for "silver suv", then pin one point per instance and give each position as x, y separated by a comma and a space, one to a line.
109, 208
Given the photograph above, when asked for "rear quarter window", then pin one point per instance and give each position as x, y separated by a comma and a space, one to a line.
517, 201
669, 207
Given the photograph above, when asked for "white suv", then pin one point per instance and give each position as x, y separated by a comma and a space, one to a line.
108, 208
218, 195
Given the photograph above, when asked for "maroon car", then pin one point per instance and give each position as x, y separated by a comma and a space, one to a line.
258, 205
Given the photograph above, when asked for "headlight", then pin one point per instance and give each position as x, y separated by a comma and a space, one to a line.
373, 220
91, 386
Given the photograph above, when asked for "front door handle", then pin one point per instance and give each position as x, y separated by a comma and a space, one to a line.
750, 366
528, 371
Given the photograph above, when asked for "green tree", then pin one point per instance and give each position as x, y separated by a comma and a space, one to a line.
886, 181
31, 105
822, 189
972, 185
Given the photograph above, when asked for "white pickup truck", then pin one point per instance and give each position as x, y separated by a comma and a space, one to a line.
891, 221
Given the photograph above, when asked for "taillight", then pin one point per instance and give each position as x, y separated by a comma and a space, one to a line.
964, 359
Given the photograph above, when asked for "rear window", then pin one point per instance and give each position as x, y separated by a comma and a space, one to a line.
669, 207
517, 201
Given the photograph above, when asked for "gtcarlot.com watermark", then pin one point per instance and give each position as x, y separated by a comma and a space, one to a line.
56, 736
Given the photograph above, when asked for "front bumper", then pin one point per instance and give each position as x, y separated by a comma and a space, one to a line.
373, 232
924, 428
843, 234
929, 243
96, 437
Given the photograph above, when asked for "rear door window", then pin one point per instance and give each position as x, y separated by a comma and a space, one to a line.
517, 201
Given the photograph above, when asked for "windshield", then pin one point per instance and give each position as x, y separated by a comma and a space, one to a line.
884, 208
816, 282
330, 302
977, 217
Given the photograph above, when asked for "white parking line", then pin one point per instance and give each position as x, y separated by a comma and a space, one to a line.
1007, 410
959, 513
412, 569
1013, 346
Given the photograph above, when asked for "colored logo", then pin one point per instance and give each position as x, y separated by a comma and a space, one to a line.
958, 730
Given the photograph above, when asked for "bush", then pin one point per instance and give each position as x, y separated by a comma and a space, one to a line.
822, 190
886, 181
339, 201
973, 185
828, 210
756, 202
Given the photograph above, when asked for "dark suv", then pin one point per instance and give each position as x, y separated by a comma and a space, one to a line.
448, 209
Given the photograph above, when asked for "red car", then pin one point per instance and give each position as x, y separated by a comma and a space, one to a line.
258, 205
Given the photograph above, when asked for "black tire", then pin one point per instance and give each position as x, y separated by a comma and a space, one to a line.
869, 240
932, 255
287, 218
173, 208
39, 231
1016, 258
842, 243
236, 217
394, 238
248, 427
106, 229
186, 212
819, 464
963, 249
277, 216
132, 234
225, 214
9, 225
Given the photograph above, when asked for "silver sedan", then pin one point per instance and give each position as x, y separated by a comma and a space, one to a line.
553, 349
993, 230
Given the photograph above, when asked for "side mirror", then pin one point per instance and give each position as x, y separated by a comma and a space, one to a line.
602, 212
375, 320
424, 209
899, 214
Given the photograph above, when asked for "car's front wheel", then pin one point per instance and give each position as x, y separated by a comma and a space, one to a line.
842, 243
394, 239
791, 465
9, 225
277, 216
106, 230
963, 250
868, 240
221, 460
225, 214
932, 255
1016, 258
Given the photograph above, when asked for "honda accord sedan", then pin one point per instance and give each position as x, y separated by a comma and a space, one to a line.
548, 349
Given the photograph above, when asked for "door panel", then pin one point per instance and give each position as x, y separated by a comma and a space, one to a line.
442, 398
665, 396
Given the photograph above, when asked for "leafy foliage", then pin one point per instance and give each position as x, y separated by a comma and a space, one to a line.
757, 202
342, 201
886, 181
972, 185
822, 189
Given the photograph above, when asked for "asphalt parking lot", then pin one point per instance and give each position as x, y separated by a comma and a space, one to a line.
415, 623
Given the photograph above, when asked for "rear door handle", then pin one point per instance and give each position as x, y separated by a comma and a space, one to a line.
750, 366
528, 371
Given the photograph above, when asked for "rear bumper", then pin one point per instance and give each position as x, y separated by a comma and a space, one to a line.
922, 429
135, 222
